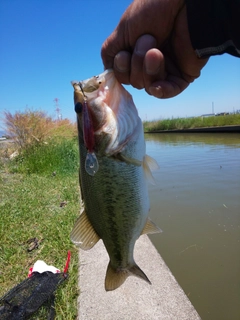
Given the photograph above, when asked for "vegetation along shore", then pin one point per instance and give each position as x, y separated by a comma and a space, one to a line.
192, 123
39, 202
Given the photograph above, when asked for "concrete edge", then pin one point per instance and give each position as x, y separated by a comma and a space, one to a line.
135, 299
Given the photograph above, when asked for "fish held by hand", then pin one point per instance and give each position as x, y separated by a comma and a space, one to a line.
114, 170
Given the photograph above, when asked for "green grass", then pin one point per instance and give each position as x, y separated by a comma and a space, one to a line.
55, 156
189, 123
30, 207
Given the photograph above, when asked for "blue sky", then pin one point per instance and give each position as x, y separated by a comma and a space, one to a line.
46, 44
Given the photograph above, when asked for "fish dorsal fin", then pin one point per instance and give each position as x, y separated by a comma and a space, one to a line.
83, 235
150, 228
149, 164
115, 278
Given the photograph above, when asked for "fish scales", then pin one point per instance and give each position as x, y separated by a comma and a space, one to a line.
113, 175
116, 209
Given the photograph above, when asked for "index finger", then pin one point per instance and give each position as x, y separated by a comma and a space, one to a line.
111, 46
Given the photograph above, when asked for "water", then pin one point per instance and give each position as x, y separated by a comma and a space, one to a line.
196, 202
1, 133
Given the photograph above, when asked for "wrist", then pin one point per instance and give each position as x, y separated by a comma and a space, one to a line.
214, 26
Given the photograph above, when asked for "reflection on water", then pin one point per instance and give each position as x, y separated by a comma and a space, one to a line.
224, 139
196, 202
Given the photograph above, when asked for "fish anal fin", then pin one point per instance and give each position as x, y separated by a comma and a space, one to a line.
116, 277
83, 234
149, 164
151, 228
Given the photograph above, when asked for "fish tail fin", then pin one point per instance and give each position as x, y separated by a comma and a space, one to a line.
136, 271
116, 277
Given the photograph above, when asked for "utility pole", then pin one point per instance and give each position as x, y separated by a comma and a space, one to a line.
212, 107
59, 116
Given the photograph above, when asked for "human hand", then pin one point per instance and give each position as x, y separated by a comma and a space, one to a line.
151, 48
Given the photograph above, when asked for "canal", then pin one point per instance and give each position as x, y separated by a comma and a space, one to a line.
196, 202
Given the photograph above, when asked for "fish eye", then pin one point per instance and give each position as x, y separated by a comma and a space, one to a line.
78, 107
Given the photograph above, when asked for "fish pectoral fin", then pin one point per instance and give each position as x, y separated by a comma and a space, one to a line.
152, 163
149, 164
83, 234
151, 228
122, 157
116, 277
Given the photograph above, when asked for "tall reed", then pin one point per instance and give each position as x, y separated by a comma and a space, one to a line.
189, 123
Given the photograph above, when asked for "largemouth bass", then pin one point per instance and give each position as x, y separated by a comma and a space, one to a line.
114, 170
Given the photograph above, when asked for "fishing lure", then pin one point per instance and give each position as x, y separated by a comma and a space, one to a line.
91, 162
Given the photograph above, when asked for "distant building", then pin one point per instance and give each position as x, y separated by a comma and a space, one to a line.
222, 114
208, 115
215, 114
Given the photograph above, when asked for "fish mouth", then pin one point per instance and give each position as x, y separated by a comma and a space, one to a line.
92, 84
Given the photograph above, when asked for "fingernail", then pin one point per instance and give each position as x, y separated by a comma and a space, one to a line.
156, 91
143, 44
121, 62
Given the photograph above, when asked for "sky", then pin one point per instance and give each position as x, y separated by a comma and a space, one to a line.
46, 44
